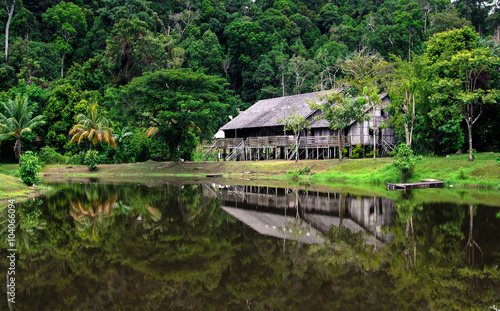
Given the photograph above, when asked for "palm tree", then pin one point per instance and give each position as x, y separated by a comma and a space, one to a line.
92, 126
18, 121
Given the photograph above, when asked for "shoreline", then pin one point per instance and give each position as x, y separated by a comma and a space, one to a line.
455, 171
360, 175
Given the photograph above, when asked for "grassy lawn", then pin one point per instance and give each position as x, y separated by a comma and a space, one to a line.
12, 188
454, 170
351, 175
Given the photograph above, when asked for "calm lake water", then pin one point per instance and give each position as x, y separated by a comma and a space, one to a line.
214, 247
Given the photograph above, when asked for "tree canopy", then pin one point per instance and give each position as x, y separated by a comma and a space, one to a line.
255, 50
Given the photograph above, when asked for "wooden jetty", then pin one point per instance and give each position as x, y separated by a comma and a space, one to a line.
424, 184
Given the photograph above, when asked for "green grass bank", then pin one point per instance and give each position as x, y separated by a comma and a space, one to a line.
455, 170
12, 188
351, 175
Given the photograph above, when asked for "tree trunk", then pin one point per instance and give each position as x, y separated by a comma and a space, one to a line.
17, 149
7, 26
341, 210
469, 127
409, 99
297, 137
63, 54
374, 137
283, 84
341, 144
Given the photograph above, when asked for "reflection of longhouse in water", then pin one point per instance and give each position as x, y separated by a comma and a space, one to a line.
268, 209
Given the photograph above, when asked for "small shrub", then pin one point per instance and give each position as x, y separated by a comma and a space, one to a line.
405, 161
30, 168
462, 175
92, 159
305, 170
357, 151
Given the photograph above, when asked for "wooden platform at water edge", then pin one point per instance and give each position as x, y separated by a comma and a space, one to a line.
424, 184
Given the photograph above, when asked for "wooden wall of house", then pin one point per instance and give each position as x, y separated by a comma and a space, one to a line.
360, 132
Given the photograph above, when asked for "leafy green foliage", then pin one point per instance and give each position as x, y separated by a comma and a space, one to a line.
305, 170
453, 138
69, 21
49, 155
405, 161
17, 121
259, 50
181, 106
340, 110
357, 151
28, 172
92, 159
295, 123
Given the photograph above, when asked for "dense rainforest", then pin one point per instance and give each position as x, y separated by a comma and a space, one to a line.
138, 80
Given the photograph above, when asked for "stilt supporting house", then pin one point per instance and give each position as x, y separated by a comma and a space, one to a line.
275, 147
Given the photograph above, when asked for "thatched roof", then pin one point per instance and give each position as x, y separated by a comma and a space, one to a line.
266, 112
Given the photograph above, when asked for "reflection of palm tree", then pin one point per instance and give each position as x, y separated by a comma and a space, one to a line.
91, 217
93, 126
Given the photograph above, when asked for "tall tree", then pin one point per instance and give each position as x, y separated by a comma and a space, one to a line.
339, 110
132, 49
473, 66
17, 121
69, 21
114, 10
360, 69
183, 19
184, 107
301, 69
404, 88
462, 76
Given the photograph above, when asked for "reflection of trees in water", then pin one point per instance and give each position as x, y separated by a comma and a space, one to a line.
197, 257
445, 277
297, 228
471, 243
91, 218
29, 225
406, 208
